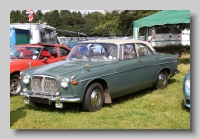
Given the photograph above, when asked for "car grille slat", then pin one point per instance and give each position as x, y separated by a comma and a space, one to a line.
44, 85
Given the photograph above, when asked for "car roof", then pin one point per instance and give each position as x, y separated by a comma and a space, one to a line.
119, 41
41, 45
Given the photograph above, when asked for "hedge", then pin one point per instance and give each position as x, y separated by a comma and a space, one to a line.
174, 49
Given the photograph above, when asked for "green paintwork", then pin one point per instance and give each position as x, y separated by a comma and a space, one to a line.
121, 76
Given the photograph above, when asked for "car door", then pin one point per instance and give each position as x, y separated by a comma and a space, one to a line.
129, 70
52, 55
149, 62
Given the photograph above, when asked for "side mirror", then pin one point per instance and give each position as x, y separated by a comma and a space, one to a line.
45, 59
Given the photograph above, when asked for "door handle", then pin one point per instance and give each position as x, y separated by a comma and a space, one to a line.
139, 61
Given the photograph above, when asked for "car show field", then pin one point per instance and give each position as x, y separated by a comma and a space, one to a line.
146, 109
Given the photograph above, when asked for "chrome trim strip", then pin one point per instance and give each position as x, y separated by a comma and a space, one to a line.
53, 99
43, 76
125, 71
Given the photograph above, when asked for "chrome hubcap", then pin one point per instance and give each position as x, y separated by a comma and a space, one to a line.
95, 98
15, 86
161, 80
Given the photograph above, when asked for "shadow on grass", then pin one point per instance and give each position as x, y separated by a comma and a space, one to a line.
171, 81
17, 114
131, 96
77, 108
68, 107
184, 107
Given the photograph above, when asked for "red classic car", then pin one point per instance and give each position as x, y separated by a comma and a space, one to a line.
32, 55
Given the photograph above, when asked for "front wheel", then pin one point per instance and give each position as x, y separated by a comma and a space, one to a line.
162, 80
94, 98
15, 86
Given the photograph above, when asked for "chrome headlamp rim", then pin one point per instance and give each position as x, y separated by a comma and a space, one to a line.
26, 79
64, 82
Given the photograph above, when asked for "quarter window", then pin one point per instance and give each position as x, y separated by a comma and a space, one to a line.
142, 49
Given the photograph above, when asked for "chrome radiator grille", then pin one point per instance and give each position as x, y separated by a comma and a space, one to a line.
44, 85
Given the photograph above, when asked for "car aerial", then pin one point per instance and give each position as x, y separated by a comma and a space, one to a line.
186, 90
97, 71
31, 55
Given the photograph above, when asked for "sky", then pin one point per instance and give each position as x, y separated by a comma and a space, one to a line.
82, 11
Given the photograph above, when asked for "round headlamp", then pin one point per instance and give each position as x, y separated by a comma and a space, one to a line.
64, 82
187, 83
26, 79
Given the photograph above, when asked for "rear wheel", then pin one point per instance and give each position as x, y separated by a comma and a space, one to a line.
162, 80
94, 98
15, 86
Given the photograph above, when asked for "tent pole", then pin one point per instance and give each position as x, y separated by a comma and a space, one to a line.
135, 32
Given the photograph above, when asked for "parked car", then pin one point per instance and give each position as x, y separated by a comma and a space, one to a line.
32, 55
109, 69
186, 90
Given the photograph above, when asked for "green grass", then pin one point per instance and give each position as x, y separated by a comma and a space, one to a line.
146, 109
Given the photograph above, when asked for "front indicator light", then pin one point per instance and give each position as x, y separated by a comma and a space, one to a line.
74, 82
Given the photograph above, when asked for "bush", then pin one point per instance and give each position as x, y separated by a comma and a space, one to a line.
174, 49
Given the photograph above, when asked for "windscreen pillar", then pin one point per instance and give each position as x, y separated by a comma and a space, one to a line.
146, 33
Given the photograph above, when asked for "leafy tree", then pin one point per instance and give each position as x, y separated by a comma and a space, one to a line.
38, 17
15, 16
98, 18
23, 17
47, 17
110, 23
89, 25
127, 18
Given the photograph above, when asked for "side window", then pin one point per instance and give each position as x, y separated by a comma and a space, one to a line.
143, 49
64, 52
83, 49
129, 51
42, 34
52, 50
112, 52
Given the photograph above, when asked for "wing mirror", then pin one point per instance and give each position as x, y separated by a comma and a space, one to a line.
45, 59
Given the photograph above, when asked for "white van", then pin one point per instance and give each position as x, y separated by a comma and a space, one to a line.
170, 38
39, 33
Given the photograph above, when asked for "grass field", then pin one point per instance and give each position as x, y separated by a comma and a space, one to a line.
146, 109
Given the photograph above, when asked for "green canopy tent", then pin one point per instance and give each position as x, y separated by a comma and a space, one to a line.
161, 18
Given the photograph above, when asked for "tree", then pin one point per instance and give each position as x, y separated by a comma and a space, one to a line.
23, 17
15, 16
38, 17
127, 17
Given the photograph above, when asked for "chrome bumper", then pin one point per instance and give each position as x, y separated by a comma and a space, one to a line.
48, 99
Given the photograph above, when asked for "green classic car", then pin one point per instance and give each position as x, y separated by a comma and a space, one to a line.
97, 71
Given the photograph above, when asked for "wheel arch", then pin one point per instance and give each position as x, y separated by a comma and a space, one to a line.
167, 69
107, 98
15, 72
